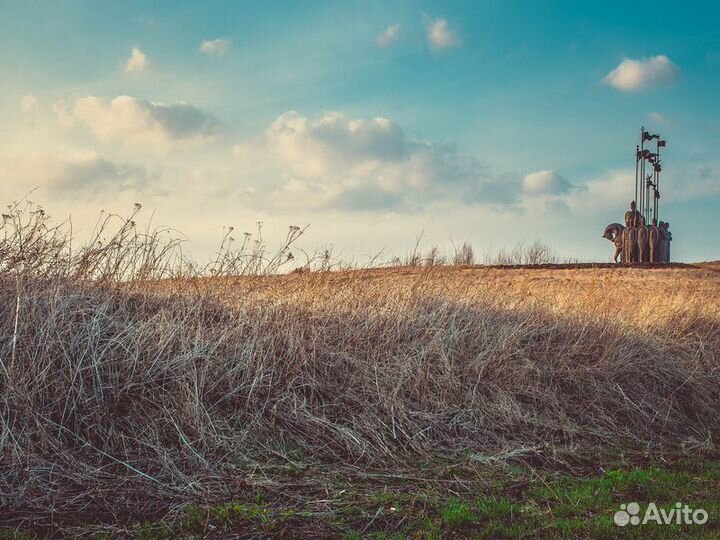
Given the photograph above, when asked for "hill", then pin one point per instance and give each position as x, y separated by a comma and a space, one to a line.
416, 400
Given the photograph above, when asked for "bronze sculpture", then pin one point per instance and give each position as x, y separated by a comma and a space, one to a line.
614, 233
642, 242
636, 242
654, 242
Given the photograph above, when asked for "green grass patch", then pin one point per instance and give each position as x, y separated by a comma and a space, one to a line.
490, 502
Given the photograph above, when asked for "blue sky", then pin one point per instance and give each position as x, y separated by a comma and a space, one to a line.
493, 122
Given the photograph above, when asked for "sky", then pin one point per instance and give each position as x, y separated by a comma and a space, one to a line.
492, 122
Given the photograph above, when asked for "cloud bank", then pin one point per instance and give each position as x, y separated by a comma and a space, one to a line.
73, 175
366, 164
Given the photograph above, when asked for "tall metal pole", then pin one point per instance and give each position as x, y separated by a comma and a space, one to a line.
648, 187
657, 181
642, 170
655, 173
637, 163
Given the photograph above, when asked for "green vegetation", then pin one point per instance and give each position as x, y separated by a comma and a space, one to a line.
493, 502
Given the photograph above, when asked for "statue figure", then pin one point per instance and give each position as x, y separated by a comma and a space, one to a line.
614, 233
633, 218
642, 242
627, 255
633, 215
633, 248
654, 240
666, 239
629, 239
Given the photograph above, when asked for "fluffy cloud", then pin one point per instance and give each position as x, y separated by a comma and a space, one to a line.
609, 192
74, 175
639, 74
314, 147
217, 47
356, 163
28, 102
389, 35
613, 191
439, 34
137, 62
656, 118
545, 183
135, 120
90, 174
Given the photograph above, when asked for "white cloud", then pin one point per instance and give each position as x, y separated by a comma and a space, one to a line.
656, 118
28, 102
74, 174
91, 173
137, 62
439, 34
389, 35
135, 120
356, 163
609, 192
217, 47
646, 73
315, 147
545, 183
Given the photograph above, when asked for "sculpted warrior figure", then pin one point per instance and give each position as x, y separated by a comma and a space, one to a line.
633, 215
667, 238
632, 218
642, 242
627, 240
634, 254
654, 241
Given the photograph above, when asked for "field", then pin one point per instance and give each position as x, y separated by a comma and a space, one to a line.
412, 402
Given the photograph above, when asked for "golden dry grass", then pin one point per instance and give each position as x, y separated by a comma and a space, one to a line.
119, 397
638, 297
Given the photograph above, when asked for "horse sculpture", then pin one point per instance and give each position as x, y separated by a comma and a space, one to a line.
614, 233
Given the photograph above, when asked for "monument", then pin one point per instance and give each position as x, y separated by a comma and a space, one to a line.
636, 241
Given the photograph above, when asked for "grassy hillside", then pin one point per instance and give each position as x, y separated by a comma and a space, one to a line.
416, 402
125, 403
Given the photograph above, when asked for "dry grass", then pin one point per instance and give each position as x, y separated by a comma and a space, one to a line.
124, 397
